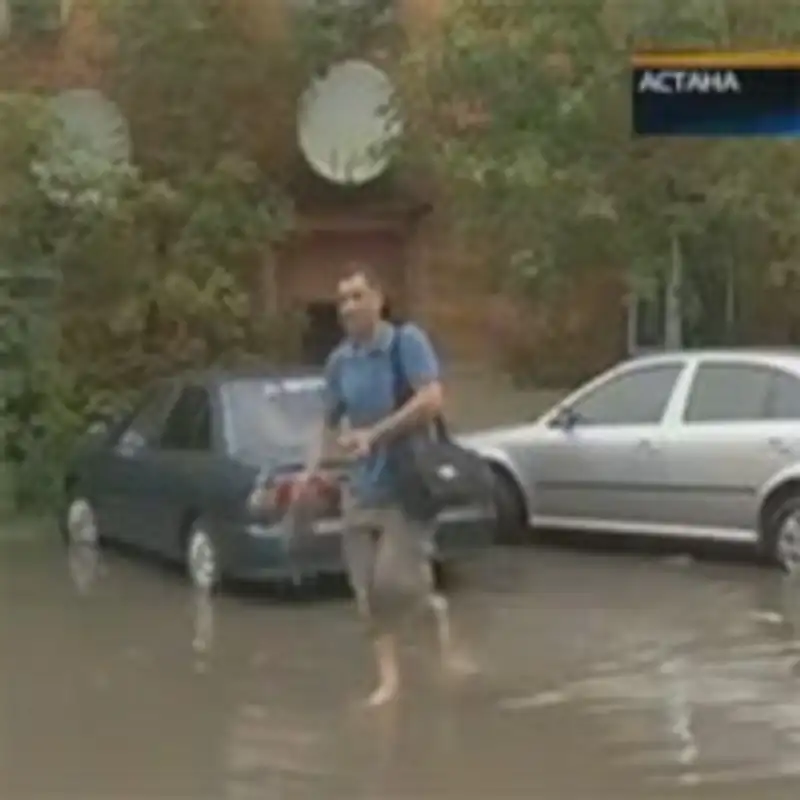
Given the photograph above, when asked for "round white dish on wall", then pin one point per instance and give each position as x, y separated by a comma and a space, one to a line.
344, 124
92, 125
90, 145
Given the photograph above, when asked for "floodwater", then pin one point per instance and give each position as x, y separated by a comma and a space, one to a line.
601, 676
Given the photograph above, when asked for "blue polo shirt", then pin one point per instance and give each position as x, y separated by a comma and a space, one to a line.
360, 386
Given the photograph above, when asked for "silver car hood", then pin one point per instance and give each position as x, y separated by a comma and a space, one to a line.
498, 438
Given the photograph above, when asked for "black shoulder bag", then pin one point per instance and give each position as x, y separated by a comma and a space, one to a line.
433, 473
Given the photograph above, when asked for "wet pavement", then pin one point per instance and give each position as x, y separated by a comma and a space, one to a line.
602, 675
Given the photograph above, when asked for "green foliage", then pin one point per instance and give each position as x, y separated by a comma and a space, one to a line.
195, 82
327, 31
157, 267
43, 414
530, 138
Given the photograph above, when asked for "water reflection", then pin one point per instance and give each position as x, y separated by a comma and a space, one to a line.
83, 560
676, 673
191, 695
202, 629
742, 683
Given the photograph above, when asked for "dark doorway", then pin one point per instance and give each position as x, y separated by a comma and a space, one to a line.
322, 333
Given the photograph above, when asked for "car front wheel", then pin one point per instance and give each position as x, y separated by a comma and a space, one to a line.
511, 523
782, 533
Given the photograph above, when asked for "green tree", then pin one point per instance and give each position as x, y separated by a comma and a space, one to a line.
529, 133
156, 266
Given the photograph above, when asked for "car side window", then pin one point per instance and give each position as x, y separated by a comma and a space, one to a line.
147, 422
188, 426
784, 401
729, 393
637, 397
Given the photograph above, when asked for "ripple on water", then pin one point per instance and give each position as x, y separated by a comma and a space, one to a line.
704, 716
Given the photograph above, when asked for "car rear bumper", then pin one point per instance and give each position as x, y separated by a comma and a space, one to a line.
266, 553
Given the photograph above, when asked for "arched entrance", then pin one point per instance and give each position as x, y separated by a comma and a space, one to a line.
322, 332
310, 267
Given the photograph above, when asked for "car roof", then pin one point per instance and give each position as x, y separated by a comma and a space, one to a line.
218, 376
766, 355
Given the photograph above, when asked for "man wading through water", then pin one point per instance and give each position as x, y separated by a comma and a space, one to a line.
386, 550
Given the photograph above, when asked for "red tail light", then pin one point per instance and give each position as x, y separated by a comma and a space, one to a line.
279, 494
326, 487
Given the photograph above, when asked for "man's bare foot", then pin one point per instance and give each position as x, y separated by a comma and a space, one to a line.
388, 671
385, 693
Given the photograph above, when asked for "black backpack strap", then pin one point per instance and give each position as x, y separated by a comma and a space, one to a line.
403, 390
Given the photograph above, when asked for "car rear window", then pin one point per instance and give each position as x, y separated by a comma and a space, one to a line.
267, 418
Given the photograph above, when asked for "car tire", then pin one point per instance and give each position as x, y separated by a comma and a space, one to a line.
78, 523
202, 558
511, 527
782, 532
444, 576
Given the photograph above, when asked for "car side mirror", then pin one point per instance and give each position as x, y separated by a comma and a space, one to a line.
566, 419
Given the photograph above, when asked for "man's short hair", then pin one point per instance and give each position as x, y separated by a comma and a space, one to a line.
358, 270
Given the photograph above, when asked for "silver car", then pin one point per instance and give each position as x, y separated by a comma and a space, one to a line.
697, 444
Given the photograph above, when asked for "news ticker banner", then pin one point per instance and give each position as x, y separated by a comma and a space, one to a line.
683, 93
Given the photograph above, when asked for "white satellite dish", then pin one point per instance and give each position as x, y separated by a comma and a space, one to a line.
91, 144
344, 123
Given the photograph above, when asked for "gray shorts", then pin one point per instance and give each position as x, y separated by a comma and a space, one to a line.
388, 559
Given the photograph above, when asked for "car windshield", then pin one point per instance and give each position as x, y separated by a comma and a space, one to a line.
269, 417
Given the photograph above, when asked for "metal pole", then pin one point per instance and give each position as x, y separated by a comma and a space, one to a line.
673, 324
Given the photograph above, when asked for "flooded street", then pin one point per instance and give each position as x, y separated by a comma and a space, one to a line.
601, 676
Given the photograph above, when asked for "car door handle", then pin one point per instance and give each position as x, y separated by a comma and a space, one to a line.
646, 445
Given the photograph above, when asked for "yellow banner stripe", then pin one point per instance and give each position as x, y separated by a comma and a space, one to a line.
686, 59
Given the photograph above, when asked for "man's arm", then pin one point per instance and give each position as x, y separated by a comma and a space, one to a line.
423, 373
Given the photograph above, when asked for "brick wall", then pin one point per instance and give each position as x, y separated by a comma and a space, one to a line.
567, 336
311, 264
70, 58
449, 292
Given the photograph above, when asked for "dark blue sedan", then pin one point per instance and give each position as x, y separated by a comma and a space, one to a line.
175, 478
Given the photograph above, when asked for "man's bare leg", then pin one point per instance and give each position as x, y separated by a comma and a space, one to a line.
386, 661
441, 616
454, 661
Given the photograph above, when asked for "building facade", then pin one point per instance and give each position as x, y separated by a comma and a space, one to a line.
53, 46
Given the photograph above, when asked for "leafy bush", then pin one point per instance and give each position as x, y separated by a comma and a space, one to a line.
150, 276
528, 135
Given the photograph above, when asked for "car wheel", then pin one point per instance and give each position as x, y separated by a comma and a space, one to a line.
782, 533
79, 524
511, 525
202, 558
